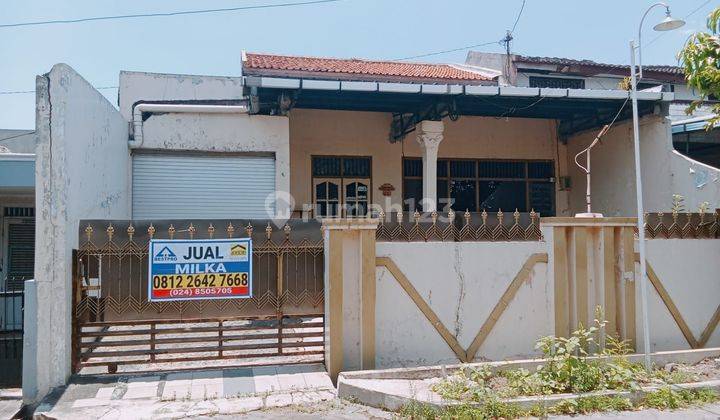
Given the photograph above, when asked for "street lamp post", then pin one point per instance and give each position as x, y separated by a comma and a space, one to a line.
669, 23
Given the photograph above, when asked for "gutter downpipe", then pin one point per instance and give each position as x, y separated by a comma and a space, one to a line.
137, 122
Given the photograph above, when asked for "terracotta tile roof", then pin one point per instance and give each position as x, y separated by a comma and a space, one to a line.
357, 69
589, 63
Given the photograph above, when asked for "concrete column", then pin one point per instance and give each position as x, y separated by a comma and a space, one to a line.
591, 261
349, 294
430, 134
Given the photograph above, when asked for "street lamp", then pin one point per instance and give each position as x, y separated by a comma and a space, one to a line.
667, 24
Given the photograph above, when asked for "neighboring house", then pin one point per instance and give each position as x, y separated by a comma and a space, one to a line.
692, 138
17, 207
553, 72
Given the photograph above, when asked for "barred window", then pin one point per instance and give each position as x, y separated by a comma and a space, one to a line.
341, 185
556, 82
474, 185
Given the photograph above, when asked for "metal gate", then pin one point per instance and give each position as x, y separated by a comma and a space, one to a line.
116, 328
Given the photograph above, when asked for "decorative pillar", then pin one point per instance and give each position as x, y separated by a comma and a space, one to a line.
430, 134
349, 294
592, 265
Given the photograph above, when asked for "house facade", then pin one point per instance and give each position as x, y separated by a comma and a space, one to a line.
357, 144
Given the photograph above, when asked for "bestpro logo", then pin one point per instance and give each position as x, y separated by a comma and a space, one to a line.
165, 255
238, 250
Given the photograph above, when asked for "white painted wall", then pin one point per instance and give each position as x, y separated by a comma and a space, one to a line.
664, 171
81, 173
462, 282
688, 269
140, 86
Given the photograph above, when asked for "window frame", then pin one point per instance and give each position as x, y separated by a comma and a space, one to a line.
342, 178
526, 179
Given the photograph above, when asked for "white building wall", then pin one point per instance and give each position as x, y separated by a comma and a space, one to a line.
664, 171
81, 173
462, 282
140, 86
688, 269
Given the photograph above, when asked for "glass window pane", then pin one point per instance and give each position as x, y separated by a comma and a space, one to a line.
542, 198
494, 169
356, 167
333, 191
412, 167
412, 194
463, 193
505, 195
541, 170
333, 208
350, 190
326, 166
321, 191
442, 168
462, 169
362, 190
442, 194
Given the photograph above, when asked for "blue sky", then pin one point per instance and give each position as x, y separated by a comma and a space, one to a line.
378, 29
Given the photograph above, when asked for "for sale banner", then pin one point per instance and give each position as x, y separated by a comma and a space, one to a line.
199, 269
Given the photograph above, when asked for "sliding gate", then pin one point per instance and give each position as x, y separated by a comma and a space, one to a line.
116, 328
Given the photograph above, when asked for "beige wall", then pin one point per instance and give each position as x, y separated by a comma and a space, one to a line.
318, 132
664, 171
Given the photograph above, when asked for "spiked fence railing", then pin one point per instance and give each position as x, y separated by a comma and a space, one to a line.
676, 225
468, 227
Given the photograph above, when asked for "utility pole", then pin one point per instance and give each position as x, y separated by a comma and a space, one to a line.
508, 61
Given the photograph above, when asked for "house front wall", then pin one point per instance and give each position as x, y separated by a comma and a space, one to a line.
350, 133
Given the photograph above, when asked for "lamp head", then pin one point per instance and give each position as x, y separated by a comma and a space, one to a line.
669, 23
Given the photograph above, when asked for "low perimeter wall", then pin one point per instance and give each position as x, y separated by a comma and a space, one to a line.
438, 295
459, 283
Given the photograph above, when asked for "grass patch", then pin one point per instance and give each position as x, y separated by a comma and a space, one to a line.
480, 392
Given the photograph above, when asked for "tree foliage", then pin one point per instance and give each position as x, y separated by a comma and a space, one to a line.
700, 58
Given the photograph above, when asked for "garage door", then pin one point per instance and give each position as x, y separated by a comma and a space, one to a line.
201, 187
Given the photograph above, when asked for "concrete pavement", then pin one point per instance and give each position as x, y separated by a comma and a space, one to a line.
189, 394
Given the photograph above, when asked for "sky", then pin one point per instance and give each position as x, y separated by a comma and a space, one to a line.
211, 44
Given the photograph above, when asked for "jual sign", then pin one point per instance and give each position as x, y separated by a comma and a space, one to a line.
199, 269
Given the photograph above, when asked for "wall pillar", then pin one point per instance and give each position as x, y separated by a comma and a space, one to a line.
592, 265
430, 134
349, 294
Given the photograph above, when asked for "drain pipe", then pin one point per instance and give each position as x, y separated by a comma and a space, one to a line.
176, 108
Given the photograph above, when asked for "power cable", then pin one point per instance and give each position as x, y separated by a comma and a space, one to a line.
17, 92
163, 14
518, 17
446, 51
17, 135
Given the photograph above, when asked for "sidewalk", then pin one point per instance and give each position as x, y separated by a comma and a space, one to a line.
189, 394
10, 402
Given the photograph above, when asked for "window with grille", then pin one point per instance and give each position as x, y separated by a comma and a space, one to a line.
20, 260
556, 82
474, 185
341, 185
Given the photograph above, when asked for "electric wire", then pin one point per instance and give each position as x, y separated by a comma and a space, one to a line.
164, 14
18, 92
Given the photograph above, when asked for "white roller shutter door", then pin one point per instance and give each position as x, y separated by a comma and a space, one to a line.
176, 186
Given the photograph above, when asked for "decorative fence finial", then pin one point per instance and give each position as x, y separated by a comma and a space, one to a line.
131, 231
171, 231
287, 229
110, 231
89, 232
191, 230
230, 230
151, 231
211, 231
268, 231
249, 230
